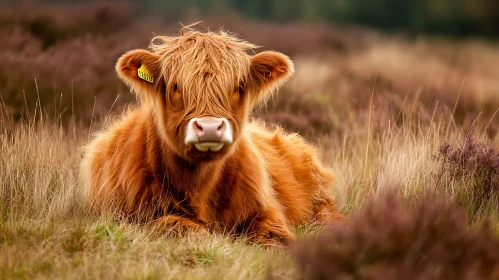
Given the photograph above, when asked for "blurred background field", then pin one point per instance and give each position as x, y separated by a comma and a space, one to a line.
67, 51
397, 95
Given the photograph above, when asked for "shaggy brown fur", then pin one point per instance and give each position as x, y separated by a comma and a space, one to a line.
262, 184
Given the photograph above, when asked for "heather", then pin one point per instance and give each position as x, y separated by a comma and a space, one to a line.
417, 114
394, 238
472, 167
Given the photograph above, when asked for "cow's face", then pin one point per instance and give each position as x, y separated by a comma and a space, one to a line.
202, 87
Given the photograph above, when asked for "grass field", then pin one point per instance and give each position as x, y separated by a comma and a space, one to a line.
387, 112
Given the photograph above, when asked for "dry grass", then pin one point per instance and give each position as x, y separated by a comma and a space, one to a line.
380, 108
45, 231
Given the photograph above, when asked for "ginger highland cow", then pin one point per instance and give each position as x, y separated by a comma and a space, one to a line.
188, 157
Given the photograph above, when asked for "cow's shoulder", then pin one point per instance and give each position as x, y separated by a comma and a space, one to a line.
120, 140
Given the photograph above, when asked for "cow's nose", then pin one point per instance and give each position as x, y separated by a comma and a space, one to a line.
209, 129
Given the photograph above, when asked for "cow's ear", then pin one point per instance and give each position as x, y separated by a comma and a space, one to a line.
140, 70
269, 70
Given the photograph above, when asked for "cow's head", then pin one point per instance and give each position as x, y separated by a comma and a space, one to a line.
202, 87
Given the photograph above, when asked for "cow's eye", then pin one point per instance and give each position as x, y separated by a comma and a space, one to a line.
239, 90
175, 98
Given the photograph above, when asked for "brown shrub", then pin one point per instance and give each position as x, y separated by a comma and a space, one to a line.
54, 23
64, 54
474, 165
393, 238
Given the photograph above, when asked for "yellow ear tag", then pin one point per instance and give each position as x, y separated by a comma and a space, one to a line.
144, 73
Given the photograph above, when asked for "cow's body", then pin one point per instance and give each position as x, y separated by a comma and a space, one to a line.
262, 184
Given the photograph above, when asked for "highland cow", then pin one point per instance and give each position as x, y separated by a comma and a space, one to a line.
188, 157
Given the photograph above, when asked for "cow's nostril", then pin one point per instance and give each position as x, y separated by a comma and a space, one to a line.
197, 126
221, 126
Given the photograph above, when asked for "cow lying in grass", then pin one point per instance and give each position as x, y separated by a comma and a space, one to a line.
188, 157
